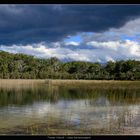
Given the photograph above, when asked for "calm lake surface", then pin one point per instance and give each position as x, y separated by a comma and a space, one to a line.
40, 108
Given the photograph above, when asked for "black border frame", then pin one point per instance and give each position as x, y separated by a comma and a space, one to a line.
70, 137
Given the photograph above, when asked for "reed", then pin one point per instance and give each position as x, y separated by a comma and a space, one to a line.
18, 83
57, 81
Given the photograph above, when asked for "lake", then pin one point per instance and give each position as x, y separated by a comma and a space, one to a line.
63, 107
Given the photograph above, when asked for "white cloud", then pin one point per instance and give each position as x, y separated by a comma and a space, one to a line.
108, 45
101, 51
72, 43
127, 48
108, 58
130, 29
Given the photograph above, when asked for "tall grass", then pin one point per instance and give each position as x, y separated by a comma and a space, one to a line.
95, 84
18, 83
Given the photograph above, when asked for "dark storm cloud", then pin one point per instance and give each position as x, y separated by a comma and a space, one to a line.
35, 23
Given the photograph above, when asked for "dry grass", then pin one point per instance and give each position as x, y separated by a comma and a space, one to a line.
18, 83
95, 83
87, 81
11, 83
21, 83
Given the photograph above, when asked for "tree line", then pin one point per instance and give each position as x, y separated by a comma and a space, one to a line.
21, 66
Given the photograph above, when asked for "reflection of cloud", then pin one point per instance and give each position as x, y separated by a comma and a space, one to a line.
78, 112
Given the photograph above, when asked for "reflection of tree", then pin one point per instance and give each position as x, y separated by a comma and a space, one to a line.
53, 93
123, 96
107, 96
101, 96
21, 96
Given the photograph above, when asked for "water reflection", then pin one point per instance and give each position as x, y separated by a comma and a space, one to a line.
93, 111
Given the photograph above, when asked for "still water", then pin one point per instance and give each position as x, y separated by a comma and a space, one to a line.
48, 109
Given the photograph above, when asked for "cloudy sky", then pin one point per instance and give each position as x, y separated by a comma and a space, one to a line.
96, 33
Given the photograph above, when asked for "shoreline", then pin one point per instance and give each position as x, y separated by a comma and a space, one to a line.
68, 82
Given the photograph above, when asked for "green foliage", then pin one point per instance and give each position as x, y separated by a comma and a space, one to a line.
21, 66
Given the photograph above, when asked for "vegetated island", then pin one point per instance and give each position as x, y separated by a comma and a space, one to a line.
21, 66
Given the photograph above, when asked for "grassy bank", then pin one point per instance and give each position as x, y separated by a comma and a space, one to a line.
14, 83
58, 81
72, 83
95, 83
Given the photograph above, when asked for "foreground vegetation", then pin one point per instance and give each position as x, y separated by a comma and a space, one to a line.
28, 91
21, 66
